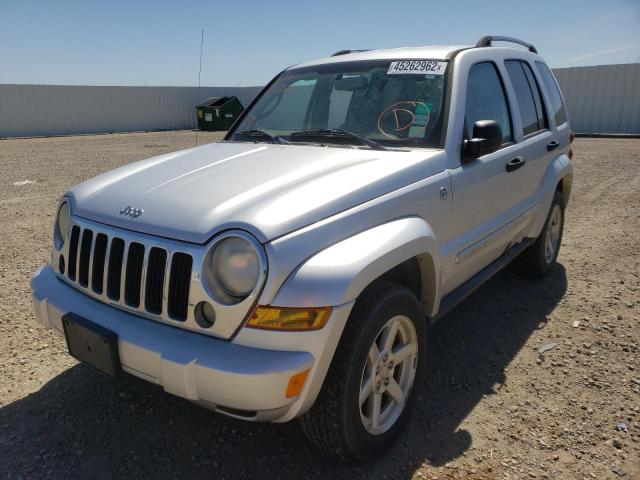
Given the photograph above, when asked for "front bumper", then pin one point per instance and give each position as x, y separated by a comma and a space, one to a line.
238, 380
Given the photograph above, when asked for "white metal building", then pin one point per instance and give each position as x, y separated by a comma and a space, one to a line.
601, 99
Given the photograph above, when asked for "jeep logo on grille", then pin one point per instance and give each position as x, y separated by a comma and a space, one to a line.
129, 211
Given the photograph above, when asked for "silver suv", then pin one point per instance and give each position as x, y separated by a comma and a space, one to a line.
292, 270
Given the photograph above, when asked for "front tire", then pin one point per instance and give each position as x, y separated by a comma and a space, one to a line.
370, 388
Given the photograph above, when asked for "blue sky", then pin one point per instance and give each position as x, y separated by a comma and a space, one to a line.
158, 43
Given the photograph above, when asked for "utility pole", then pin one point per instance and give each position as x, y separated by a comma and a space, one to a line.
199, 74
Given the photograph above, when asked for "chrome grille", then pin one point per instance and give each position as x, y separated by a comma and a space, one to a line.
133, 277
179, 285
155, 280
99, 258
85, 256
73, 252
153, 277
114, 270
133, 273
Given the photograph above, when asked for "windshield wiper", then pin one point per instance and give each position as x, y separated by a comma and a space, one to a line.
256, 132
329, 132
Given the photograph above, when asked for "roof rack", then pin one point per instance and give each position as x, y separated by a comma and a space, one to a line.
344, 52
486, 42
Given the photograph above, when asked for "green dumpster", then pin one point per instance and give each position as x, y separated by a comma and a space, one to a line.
218, 113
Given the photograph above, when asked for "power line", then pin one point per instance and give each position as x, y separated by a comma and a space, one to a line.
201, 43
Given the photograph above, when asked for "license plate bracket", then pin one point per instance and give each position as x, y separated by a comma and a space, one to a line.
92, 344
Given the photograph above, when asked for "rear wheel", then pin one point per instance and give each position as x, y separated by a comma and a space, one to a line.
370, 387
540, 257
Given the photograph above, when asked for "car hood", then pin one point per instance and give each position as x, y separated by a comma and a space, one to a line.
266, 189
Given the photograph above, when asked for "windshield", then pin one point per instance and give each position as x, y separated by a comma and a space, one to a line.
394, 103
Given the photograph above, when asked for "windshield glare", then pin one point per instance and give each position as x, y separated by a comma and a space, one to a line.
392, 109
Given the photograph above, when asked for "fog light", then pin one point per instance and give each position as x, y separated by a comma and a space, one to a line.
296, 382
204, 314
290, 319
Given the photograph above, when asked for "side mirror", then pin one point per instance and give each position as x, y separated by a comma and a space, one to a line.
487, 138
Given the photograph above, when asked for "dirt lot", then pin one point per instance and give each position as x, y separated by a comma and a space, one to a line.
492, 406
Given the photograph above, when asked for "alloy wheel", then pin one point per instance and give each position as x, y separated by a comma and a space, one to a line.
388, 375
553, 234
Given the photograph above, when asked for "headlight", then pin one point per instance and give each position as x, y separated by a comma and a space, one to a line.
61, 229
234, 266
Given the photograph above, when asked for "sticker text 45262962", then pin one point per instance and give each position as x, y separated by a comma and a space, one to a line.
417, 67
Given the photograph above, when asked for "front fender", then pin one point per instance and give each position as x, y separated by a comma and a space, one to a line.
339, 273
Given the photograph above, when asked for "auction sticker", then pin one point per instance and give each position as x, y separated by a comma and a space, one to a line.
417, 67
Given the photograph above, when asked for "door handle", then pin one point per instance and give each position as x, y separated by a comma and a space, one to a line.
553, 144
515, 164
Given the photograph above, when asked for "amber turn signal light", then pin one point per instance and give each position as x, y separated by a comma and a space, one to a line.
296, 382
289, 319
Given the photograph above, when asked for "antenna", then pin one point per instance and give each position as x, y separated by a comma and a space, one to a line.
199, 73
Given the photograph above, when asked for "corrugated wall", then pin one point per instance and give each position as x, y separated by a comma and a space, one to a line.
602, 99
28, 110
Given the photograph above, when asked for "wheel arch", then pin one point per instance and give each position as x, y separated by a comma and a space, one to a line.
564, 186
403, 250
418, 275
559, 175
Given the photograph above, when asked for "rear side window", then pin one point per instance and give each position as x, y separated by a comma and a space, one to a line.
528, 96
554, 93
543, 118
486, 100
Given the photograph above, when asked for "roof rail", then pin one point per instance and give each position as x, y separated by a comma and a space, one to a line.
486, 42
344, 52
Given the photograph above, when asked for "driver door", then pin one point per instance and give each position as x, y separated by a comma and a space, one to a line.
482, 198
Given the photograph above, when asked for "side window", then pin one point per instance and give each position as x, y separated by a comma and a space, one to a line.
554, 93
543, 119
486, 100
528, 96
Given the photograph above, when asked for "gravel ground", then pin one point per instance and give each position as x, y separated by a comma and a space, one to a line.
492, 407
